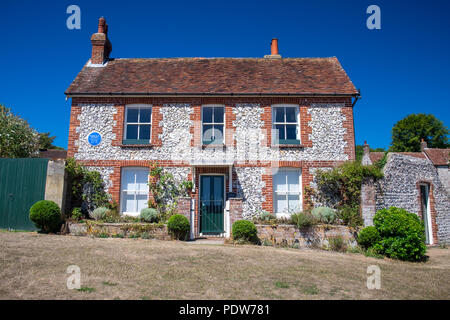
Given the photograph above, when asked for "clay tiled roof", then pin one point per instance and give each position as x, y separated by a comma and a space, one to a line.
52, 154
190, 76
375, 156
412, 154
439, 157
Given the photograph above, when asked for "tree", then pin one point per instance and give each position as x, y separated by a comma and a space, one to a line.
17, 138
408, 132
46, 142
359, 151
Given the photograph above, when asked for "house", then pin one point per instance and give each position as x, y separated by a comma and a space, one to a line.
415, 181
248, 132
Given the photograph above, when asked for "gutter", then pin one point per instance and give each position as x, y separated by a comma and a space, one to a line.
202, 94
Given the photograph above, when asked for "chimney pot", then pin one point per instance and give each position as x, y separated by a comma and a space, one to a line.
101, 46
423, 145
274, 47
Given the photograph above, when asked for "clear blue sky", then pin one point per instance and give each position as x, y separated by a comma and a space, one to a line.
401, 69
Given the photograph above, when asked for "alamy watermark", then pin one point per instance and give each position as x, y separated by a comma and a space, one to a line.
374, 20
374, 278
74, 20
74, 280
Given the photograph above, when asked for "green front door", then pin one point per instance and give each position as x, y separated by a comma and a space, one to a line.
211, 204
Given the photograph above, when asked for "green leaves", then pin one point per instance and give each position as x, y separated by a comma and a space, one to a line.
408, 132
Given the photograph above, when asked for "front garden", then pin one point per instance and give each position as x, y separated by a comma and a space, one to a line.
331, 218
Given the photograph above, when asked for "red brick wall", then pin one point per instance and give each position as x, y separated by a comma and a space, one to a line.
432, 203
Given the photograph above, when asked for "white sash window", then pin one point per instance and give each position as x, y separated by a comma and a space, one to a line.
134, 190
287, 195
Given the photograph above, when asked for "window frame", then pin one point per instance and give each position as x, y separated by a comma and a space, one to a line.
213, 123
287, 193
138, 106
135, 191
285, 141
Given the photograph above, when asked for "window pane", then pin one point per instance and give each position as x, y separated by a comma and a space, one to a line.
294, 203
290, 114
132, 131
142, 180
291, 131
145, 116
144, 132
127, 180
218, 133
141, 202
280, 204
128, 202
132, 114
280, 129
218, 115
293, 181
207, 132
279, 114
279, 182
207, 114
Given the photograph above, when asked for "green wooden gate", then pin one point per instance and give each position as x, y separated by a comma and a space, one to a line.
211, 204
22, 183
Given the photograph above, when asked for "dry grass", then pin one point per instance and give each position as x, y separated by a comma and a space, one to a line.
33, 266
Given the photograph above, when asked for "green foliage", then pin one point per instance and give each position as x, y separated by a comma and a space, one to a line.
303, 219
265, 217
46, 142
324, 214
88, 189
350, 216
99, 213
337, 243
178, 225
368, 236
244, 230
340, 187
76, 214
402, 234
149, 215
17, 138
408, 132
166, 190
46, 215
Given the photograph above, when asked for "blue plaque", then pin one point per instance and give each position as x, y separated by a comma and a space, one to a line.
95, 138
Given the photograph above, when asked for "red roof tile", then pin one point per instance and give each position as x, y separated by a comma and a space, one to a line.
52, 154
439, 157
375, 156
215, 76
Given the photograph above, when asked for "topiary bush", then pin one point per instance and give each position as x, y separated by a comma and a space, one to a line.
402, 234
178, 226
99, 213
46, 215
368, 236
149, 215
244, 230
324, 214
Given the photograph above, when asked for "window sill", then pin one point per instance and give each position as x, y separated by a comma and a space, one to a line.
297, 146
213, 146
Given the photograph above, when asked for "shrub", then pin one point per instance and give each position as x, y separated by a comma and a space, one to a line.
324, 214
350, 216
178, 225
112, 216
46, 215
402, 234
303, 219
99, 213
337, 243
76, 214
368, 236
244, 230
149, 215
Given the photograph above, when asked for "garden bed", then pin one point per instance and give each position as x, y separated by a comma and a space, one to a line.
119, 230
319, 236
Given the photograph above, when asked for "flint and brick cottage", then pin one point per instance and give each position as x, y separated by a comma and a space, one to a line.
248, 132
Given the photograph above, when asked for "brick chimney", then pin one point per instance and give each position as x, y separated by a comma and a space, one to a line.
423, 145
366, 154
273, 50
101, 46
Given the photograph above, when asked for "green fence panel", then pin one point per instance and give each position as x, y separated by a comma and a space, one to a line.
22, 183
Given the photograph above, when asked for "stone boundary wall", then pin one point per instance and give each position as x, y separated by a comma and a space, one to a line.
314, 236
125, 230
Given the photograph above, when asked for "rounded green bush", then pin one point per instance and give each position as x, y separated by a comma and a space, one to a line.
368, 236
46, 215
76, 214
149, 215
324, 214
244, 230
402, 234
99, 213
178, 225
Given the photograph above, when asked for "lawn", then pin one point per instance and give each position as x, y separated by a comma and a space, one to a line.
33, 266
